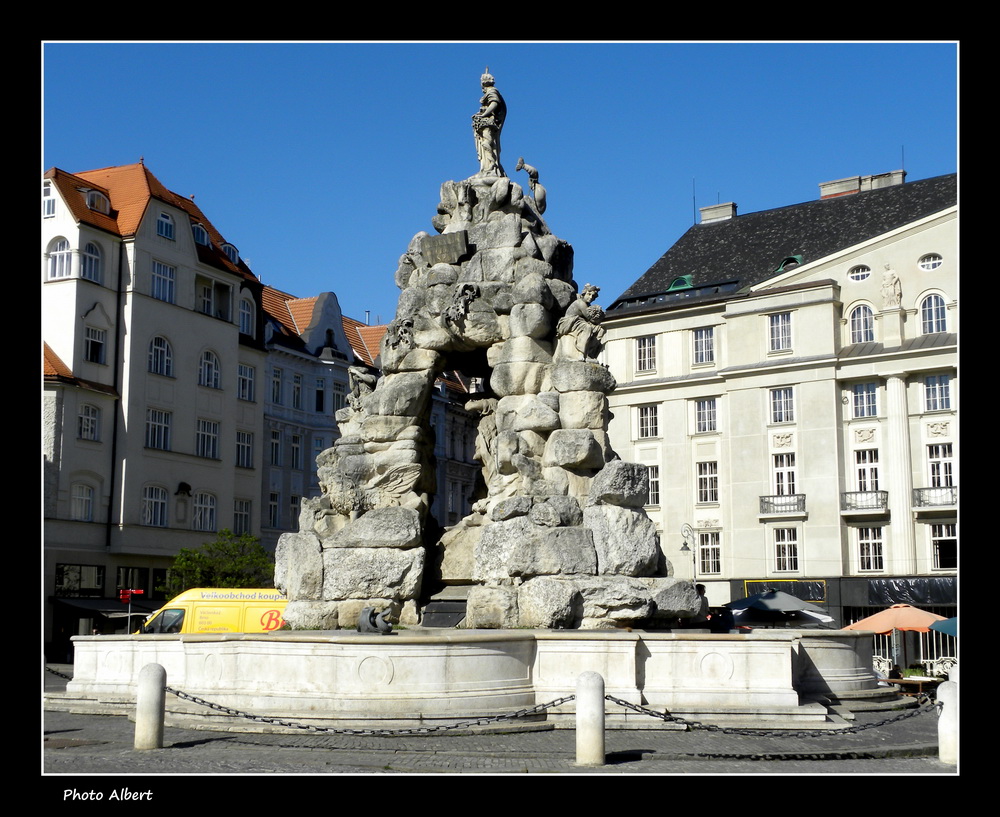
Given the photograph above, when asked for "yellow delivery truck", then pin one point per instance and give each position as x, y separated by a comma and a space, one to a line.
219, 610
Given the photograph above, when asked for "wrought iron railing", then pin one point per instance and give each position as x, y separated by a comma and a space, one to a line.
932, 497
864, 500
783, 503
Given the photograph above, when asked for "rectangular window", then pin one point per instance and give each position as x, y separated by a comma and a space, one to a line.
296, 452
786, 549
275, 448
339, 396
704, 345
164, 279
939, 463
866, 464
709, 552
82, 503
945, 544
154, 506
165, 226
276, 386
274, 509
242, 516
89, 423
784, 474
708, 482
206, 300
782, 405
864, 399
296, 391
937, 392
645, 353
79, 580
705, 416
203, 517
779, 331
244, 449
48, 201
245, 376
207, 439
320, 395
295, 505
158, 429
94, 342
870, 556
649, 425
654, 485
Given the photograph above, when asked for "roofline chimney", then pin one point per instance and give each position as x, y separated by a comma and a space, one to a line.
718, 212
860, 184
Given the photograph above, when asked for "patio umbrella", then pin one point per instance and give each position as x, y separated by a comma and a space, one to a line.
775, 605
949, 626
897, 617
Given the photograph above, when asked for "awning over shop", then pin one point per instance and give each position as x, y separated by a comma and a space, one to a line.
110, 608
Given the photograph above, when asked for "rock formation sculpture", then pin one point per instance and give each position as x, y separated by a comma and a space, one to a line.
557, 536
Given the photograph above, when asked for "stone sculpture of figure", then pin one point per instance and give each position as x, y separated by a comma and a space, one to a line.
536, 189
892, 291
362, 383
486, 126
581, 325
464, 295
398, 332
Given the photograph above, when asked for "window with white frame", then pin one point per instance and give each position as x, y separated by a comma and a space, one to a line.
870, 551
206, 298
319, 406
862, 324
296, 391
705, 416
294, 507
90, 263
88, 423
163, 282
784, 474
165, 225
339, 396
207, 439
709, 552
649, 422
60, 259
209, 373
645, 353
161, 357
783, 405
244, 449
779, 331
944, 544
231, 253
864, 400
200, 235
96, 200
937, 392
242, 516
929, 262
247, 317
154, 506
204, 515
866, 469
274, 509
276, 389
94, 343
296, 446
933, 315
786, 549
939, 462
654, 484
158, 424
275, 447
859, 273
48, 201
704, 345
245, 377
708, 482
82, 502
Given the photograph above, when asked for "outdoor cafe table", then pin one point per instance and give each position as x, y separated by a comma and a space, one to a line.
915, 686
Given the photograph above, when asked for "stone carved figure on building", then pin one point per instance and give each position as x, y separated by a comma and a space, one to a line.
536, 189
892, 290
579, 330
487, 123
362, 383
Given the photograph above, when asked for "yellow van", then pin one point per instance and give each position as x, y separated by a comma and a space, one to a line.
220, 610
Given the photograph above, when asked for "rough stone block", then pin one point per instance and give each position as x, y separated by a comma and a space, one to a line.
573, 448
624, 538
582, 375
621, 483
298, 566
353, 573
493, 608
392, 527
549, 603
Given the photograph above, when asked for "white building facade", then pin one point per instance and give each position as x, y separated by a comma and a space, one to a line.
796, 397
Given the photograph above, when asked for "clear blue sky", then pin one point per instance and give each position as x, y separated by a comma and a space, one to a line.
320, 161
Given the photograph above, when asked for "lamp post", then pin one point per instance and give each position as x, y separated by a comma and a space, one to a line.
688, 547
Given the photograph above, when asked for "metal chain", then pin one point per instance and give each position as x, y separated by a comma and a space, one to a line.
926, 705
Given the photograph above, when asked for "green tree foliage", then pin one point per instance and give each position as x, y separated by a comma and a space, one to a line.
229, 561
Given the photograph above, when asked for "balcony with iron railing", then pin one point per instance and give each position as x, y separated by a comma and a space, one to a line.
782, 504
864, 502
943, 497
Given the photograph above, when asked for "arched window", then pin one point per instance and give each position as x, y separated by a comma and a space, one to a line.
60, 259
161, 357
247, 317
98, 201
862, 324
932, 315
200, 234
859, 273
209, 372
165, 225
90, 263
203, 518
231, 252
931, 261
154, 506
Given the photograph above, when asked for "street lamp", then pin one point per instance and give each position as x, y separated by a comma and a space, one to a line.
688, 547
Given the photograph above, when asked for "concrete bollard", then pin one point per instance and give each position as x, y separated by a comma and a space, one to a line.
590, 720
947, 695
150, 704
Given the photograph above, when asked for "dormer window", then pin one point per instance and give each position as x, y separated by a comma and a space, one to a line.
232, 253
165, 226
200, 235
98, 201
48, 201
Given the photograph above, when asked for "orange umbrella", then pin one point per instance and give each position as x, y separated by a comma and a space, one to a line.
897, 617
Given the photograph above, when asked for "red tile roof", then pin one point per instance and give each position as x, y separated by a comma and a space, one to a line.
54, 370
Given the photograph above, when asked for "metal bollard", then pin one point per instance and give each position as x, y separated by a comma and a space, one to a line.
150, 701
590, 720
947, 695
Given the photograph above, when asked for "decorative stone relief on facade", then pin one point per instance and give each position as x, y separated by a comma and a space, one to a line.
864, 435
782, 440
938, 429
557, 535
